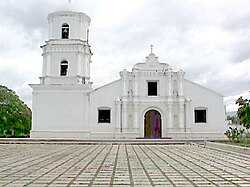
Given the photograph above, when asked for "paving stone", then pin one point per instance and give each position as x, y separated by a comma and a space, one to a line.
141, 165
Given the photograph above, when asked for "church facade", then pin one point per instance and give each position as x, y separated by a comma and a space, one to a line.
151, 101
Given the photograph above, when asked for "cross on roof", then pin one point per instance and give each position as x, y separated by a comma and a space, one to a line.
151, 46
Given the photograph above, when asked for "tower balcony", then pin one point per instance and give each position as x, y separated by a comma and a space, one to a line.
69, 45
65, 80
66, 42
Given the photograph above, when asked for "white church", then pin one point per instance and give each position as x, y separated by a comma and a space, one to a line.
151, 101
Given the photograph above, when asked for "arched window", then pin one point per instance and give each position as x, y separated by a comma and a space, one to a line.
65, 31
64, 68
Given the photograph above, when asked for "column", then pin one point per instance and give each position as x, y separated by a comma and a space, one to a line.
181, 116
124, 116
180, 83
180, 87
78, 70
85, 65
50, 30
135, 115
48, 64
170, 83
188, 114
170, 116
117, 114
87, 61
44, 64
135, 84
123, 75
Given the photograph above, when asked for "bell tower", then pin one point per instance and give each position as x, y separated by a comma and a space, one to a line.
67, 54
60, 103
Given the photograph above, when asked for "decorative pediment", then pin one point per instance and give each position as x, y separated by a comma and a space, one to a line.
151, 63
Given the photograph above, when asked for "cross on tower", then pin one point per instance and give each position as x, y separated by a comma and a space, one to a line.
151, 46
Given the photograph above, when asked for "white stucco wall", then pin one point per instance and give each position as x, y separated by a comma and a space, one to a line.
60, 110
104, 96
203, 97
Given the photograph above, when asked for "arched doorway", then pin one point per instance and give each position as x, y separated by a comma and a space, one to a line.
152, 124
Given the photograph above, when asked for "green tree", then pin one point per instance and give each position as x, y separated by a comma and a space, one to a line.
15, 115
244, 111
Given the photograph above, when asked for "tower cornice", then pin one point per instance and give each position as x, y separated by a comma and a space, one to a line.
55, 46
77, 15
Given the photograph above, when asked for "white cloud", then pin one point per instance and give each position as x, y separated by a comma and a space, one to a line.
230, 100
207, 39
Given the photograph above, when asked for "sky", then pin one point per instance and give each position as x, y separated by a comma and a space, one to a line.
208, 39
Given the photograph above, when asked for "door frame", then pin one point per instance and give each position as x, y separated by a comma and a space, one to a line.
144, 123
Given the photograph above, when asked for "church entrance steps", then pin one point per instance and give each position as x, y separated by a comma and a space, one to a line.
120, 165
99, 141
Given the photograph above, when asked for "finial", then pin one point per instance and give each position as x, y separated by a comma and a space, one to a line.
69, 1
151, 46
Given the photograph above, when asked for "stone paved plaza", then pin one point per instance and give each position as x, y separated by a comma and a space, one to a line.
120, 165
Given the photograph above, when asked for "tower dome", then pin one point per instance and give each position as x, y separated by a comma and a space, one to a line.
69, 6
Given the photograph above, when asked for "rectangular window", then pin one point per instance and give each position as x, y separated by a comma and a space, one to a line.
200, 116
152, 88
64, 68
65, 31
103, 116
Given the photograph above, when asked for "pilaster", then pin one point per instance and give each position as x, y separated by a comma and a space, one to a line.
180, 76
135, 83
170, 82
169, 124
124, 115
188, 113
48, 64
118, 116
124, 78
181, 116
79, 64
135, 122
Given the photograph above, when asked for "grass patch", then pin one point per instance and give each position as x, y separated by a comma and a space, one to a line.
243, 143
